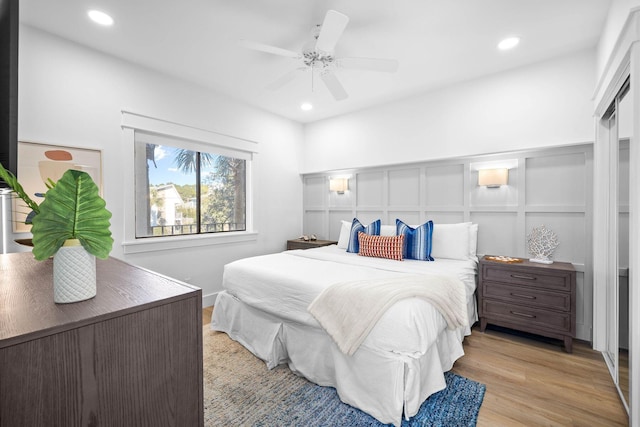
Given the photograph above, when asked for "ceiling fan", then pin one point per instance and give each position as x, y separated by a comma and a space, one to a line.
318, 56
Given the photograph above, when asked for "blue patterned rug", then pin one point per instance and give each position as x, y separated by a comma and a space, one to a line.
312, 405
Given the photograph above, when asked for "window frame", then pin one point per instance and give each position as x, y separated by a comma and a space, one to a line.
191, 138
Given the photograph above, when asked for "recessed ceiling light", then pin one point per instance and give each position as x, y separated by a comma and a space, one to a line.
509, 43
100, 18
306, 106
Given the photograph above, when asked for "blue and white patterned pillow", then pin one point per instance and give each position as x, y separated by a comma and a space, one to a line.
417, 241
356, 226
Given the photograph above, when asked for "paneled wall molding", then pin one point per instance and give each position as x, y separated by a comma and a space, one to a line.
550, 186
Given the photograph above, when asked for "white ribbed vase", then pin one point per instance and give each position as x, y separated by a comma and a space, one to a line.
74, 273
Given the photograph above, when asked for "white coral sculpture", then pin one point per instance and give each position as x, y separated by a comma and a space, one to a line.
542, 242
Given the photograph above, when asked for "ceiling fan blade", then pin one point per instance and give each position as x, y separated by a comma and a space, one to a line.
333, 84
332, 28
269, 49
283, 80
372, 64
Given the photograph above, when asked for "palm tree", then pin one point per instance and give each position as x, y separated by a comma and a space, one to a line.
186, 160
232, 171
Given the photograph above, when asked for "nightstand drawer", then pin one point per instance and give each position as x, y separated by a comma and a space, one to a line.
526, 277
528, 317
526, 295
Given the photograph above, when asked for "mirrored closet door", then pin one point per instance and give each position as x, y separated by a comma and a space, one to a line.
625, 126
618, 121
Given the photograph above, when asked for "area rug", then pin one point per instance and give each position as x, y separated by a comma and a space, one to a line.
240, 391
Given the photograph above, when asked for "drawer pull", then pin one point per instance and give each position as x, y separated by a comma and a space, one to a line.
522, 296
520, 276
530, 316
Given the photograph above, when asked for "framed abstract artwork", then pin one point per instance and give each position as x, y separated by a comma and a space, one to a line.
39, 162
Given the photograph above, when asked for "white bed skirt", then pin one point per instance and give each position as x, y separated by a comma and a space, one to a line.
381, 383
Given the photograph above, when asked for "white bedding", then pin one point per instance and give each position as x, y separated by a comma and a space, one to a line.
284, 284
398, 365
348, 311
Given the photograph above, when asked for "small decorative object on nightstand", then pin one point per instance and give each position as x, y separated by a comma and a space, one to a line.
542, 242
529, 297
308, 244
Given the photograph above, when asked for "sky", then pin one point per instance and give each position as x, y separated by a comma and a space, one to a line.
166, 170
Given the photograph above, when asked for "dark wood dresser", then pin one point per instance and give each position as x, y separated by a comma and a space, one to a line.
529, 297
131, 356
308, 244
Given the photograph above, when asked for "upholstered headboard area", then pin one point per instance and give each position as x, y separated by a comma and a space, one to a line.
550, 187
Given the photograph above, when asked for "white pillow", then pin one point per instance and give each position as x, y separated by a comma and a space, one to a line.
388, 230
473, 240
345, 233
451, 241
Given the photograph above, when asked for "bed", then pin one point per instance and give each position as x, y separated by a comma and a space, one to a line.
400, 362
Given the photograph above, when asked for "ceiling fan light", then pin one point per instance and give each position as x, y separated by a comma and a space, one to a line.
509, 43
306, 106
100, 18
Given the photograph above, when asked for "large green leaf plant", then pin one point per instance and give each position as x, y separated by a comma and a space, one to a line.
72, 209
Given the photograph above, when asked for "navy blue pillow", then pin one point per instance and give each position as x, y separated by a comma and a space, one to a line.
356, 227
417, 241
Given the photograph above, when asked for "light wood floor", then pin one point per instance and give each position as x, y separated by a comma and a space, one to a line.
531, 382
535, 383
206, 315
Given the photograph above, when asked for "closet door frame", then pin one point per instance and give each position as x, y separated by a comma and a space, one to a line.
624, 62
634, 242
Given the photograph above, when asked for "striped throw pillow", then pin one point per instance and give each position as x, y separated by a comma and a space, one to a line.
356, 227
417, 241
389, 247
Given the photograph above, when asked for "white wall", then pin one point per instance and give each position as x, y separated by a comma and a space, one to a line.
70, 95
546, 104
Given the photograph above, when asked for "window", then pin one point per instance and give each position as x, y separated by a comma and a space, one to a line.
182, 190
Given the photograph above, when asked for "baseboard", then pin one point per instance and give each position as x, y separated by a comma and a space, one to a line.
209, 299
583, 332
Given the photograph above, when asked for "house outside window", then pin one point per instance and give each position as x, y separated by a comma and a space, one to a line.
184, 191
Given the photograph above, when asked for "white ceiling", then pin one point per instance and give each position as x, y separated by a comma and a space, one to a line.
437, 42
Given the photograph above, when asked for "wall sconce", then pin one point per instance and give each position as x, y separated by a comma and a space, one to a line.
339, 185
493, 178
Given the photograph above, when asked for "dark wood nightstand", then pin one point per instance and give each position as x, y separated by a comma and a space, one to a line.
308, 244
529, 297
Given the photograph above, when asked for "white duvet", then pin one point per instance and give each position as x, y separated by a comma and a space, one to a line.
284, 284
